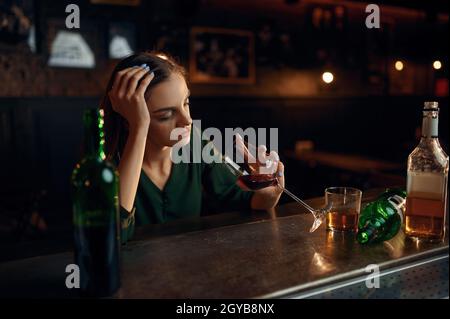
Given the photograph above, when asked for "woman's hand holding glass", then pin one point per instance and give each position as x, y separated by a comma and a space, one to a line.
264, 173
261, 168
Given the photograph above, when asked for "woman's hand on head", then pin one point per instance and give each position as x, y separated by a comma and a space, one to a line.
127, 95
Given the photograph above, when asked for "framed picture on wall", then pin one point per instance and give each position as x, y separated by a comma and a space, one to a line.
121, 39
71, 49
221, 56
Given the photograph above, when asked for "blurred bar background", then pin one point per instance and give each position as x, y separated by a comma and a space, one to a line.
253, 63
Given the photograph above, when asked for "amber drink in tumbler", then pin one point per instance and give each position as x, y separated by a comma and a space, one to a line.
345, 205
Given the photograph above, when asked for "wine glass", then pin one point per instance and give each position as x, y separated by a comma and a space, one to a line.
256, 169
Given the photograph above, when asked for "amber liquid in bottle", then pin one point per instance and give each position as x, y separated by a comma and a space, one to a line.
425, 211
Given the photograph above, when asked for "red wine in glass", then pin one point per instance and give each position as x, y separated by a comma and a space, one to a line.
259, 181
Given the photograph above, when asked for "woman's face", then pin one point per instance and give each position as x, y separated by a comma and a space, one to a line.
169, 109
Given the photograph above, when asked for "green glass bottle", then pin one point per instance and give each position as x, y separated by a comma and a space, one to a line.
382, 219
95, 187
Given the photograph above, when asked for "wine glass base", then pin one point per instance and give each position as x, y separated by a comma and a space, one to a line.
316, 224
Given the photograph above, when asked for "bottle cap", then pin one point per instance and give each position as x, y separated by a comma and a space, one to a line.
366, 235
431, 106
363, 237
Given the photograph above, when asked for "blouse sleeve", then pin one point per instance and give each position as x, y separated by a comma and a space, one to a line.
127, 224
127, 219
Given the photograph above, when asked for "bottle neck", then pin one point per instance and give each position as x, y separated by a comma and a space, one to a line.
93, 134
372, 230
430, 124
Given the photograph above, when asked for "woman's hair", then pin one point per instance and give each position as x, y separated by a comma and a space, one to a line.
116, 127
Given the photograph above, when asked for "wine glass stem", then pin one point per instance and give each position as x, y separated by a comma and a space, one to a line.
298, 200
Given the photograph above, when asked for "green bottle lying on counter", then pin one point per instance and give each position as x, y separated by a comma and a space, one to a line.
382, 219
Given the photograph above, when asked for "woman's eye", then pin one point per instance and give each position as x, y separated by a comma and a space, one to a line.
166, 116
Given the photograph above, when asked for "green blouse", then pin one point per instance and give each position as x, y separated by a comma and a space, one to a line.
183, 195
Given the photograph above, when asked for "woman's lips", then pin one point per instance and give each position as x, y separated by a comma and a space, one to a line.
186, 134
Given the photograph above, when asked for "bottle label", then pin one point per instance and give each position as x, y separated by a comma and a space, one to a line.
398, 203
430, 126
429, 183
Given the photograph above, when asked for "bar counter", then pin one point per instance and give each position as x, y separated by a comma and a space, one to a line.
250, 255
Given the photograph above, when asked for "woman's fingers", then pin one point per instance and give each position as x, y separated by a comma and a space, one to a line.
280, 173
134, 80
122, 91
113, 93
144, 83
118, 79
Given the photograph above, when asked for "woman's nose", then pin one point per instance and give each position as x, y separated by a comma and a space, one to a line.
185, 119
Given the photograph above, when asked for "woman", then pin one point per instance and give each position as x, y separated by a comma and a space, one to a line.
147, 97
